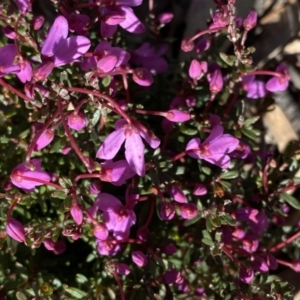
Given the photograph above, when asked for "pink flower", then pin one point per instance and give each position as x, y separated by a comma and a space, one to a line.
23, 5
165, 18
77, 22
215, 79
15, 230
44, 140
37, 22
76, 213
255, 88
123, 269
278, 84
259, 264
106, 58
108, 247
116, 172
100, 231
220, 18
142, 77
25, 178
134, 147
150, 57
25, 73
139, 258
200, 189
215, 148
117, 217
120, 14
167, 211
61, 49
77, 121
172, 276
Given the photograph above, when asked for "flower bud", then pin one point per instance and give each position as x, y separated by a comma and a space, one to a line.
216, 82
197, 69
172, 276
123, 269
142, 77
49, 244
77, 121
259, 264
44, 140
37, 22
9, 32
169, 249
177, 194
107, 63
59, 247
200, 189
76, 213
167, 211
176, 115
165, 18
246, 274
250, 21
142, 233
139, 258
295, 265
187, 45
15, 230
188, 210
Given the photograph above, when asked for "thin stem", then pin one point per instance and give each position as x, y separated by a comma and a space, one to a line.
283, 262
13, 90
84, 176
286, 189
150, 214
178, 156
71, 138
125, 84
107, 98
209, 31
119, 285
285, 243
262, 72
149, 112
17, 200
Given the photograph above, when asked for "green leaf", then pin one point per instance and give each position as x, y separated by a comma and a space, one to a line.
249, 133
78, 294
292, 201
96, 117
250, 121
228, 59
21, 296
229, 175
106, 81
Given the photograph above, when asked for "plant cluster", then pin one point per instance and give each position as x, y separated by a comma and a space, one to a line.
130, 174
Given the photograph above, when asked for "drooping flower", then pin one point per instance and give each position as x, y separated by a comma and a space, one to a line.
44, 140
188, 210
177, 194
250, 20
61, 49
76, 121
165, 18
200, 189
215, 148
142, 77
246, 274
117, 217
106, 58
167, 211
108, 247
25, 178
123, 269
215, 80
172, 276
197, 69
134, 147
76, 213
150, 57
15, 230
255, 88
23, 5
279, 84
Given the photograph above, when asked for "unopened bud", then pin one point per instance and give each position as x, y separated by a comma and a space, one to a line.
15, 230
176, 115
250, 21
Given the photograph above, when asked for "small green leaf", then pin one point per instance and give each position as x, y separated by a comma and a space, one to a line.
249, 133
292, 201
78, 294
21, 296
96, 117
228, 59
229, 175
106, 81
250, 121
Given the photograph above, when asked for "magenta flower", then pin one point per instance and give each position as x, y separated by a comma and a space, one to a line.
215, 79
165, 18
134, 147
76, 213
142, 77
7, 57
106, 58
117, 217
123, 269
77, 22
120, 14
178, 116
260, 264
150, 57
278, 84
200, 189
169, 249
77, 120
139, 258
44, 140
116, 172
61, 49
215, 148
167, 211
172, 276
100, 231
220, 18
24, 178
15, 230
255, 88
37, 22
108, 247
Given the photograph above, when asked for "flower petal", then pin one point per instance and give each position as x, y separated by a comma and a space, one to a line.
224, 144
193, 144
215, 133
107, 30
108, 202
111, 145
57, 33
132, 23
134, 153
220, 160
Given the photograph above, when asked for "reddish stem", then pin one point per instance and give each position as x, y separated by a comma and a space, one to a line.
285, 243
119, 285
13, 90
57, 186
262, 72
209, 31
